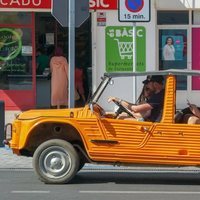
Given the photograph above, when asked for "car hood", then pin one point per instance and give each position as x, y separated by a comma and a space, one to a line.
32, 114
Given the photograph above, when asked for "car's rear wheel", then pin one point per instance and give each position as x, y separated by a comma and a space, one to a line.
56, 161
81, 165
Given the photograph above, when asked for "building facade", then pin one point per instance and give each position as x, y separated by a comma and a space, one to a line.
177, 20
113, 46
27, 30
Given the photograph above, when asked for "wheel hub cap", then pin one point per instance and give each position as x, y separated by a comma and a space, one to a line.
55, 162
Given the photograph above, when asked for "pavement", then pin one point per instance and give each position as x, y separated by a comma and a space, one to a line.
10, 161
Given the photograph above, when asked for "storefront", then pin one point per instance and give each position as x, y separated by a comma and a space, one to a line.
17, 54
175, 20
27, 26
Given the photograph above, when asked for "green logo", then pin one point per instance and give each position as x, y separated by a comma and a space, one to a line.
120, 49
10, 43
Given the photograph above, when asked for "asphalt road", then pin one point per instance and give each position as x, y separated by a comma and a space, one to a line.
98, 185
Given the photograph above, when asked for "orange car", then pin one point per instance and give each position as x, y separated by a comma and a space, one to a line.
61, 141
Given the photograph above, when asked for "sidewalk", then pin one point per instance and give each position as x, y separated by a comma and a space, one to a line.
8, 160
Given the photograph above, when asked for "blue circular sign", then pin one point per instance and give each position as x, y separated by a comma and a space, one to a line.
134, 5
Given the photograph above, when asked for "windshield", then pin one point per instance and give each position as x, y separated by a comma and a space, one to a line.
121, 87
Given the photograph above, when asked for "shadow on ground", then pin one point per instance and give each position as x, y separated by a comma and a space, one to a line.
137, 178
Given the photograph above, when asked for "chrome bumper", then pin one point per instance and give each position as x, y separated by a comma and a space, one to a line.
7, 133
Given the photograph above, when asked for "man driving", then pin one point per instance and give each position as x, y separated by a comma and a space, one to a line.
153, 104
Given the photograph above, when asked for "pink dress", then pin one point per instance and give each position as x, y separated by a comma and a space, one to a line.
59, 81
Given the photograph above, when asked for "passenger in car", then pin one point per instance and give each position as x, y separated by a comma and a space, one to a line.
145, 93
194, 117
154, 104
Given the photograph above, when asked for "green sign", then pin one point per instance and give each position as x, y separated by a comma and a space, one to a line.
10, 43
120, 49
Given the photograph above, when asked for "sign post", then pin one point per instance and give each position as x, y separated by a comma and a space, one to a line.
71, 14
71, 50
134, 10
60, 10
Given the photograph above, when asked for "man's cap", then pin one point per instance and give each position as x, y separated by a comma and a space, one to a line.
154, 78
147, 80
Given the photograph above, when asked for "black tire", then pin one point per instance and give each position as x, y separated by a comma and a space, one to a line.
81, 165
56, 161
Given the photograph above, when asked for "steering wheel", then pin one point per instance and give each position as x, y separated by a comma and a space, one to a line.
122, 109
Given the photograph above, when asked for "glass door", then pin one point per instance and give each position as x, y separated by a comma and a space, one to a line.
173, 52
17, 60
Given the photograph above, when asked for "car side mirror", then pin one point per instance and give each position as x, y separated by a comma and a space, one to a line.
111, 82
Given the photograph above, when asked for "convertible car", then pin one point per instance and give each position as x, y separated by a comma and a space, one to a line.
61, 141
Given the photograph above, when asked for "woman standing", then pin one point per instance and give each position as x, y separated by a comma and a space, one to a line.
168, 49
59, 79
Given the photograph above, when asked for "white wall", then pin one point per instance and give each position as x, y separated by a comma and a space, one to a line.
125, 89
99, 60
151, 44
177, 4
182, 96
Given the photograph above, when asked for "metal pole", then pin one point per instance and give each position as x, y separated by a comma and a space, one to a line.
2, 122
134, 63
71, 50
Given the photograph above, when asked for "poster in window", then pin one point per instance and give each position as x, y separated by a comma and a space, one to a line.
172, 47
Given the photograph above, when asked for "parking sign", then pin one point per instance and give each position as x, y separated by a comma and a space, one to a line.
134, 10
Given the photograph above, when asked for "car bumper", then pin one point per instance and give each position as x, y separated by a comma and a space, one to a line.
7, 134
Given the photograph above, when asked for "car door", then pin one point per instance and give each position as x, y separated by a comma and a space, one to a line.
123, 139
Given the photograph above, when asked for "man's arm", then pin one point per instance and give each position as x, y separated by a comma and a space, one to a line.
134, 108
141, 108
125, 103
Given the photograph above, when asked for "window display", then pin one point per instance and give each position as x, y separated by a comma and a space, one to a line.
15, 66
173, 52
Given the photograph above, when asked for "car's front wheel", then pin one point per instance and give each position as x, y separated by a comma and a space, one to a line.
56, 161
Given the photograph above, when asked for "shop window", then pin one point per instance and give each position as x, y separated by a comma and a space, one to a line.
173, 52
15, 59
172, 17
196, 17
15, 18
